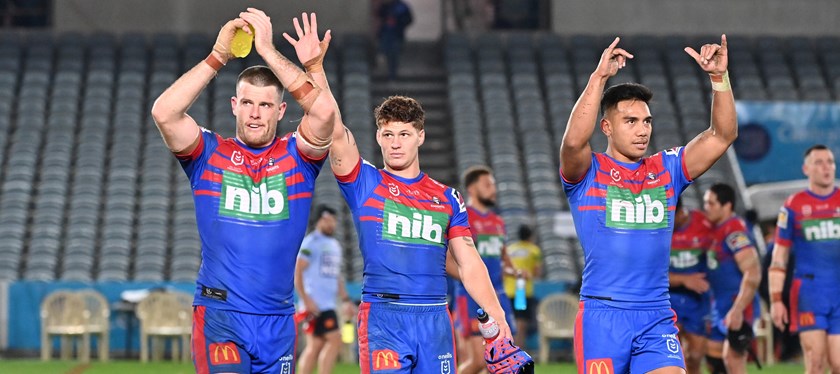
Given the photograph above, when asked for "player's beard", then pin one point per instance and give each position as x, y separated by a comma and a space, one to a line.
486, 201
256, 141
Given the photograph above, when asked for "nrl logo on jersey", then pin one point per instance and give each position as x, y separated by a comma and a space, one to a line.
821, 229
647, 210
407, 224
265, 200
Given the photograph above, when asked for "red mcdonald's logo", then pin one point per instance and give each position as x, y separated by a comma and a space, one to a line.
386, 359
223, 354
599, 366
806, 319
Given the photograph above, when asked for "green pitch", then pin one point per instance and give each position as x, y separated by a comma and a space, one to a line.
134, 367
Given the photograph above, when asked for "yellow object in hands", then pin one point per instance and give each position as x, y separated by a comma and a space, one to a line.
348, 332
242, 41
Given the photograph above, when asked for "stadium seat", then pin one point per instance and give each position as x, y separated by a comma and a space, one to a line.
70, 314
165, 315
555, 320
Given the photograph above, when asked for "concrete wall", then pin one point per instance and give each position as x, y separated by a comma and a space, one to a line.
206, 16
698, 17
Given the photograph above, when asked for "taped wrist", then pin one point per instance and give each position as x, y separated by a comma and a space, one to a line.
305, 91
311, 140
720, 82
775, 297
316, 65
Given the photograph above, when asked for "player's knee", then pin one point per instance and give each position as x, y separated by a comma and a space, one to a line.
716, 365
692, 359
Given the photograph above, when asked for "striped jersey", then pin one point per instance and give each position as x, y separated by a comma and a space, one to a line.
809, 224
624, 218
488, 232
689, 244
404, 227
252, 207
729, 237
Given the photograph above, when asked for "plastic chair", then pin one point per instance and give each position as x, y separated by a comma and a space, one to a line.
763, 328
556, 320
165, 315
69, 314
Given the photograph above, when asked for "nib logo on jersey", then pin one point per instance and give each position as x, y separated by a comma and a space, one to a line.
686, 258
489, 245
821, 229
647, 210
265, 200
402, 223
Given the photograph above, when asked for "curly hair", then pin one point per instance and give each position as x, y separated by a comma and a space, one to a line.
400, 109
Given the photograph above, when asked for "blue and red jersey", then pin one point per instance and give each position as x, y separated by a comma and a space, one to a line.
689, 244
252, 207
729, 238
404, 228
809, 224
624, 217
488, 231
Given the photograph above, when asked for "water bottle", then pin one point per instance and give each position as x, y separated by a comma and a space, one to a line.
348, 332
487, 326
520, 302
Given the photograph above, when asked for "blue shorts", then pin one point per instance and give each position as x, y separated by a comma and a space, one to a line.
226, 341
692, 311
814, 307
721, 306
397, 338
466, 322
620, 341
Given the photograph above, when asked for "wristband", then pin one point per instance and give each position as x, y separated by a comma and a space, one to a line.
777, 269
720, 82
775, 296
214, 62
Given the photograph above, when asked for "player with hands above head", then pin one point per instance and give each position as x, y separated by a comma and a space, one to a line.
252, 197
623, 205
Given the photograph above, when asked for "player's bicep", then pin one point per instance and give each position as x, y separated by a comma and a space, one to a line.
702, 152
181, 135
463, 251
306, 148
747, 260
575, 162
344, 153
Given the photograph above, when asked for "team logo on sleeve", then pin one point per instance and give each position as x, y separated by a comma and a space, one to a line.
647, 210
265, 200
737, 241
406, 224
821, 229
783, 218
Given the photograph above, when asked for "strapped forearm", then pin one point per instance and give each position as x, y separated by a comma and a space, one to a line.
724, 120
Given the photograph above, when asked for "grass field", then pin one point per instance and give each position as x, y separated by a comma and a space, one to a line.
134, 367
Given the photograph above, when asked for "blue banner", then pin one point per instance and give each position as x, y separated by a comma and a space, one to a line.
772, 137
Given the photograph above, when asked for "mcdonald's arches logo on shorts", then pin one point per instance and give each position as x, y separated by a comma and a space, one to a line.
386, 359
599, 366
806, 319
223, 354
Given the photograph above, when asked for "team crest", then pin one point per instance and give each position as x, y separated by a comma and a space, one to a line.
237, 158
394, 189
651, 176
271, 161
435, 200
806, 210
615, 175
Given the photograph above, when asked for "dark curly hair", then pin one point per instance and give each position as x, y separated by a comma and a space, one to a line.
400, 109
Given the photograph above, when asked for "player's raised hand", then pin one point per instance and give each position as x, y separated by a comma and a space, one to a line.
712, 58
779, 314
263, 34
310, 50
612, 60
225, 38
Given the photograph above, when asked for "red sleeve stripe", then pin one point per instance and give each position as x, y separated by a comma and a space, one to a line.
195, 152
370, 218
458, 231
